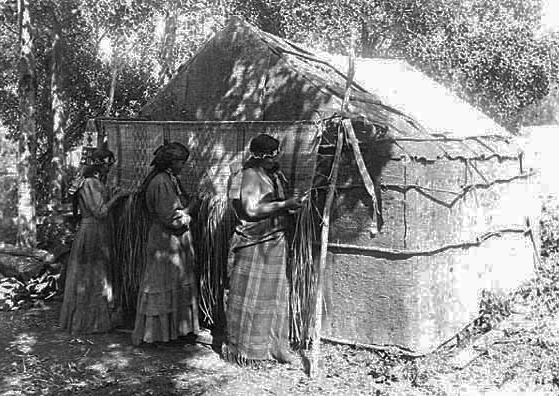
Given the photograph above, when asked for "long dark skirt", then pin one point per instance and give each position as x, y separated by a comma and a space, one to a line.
167, 302
257, 305
88, 294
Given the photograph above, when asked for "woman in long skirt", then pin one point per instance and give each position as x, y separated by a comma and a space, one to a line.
257, 304
88, 295
167, 300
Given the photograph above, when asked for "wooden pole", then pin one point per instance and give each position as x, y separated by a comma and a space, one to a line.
315, 350
350, 76
367, 181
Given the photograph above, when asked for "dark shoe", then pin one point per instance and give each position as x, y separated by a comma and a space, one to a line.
190, 338
284, 356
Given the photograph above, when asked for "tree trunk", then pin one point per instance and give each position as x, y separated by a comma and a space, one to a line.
167, 59
114, 74
26, 162
57, 108
367, 48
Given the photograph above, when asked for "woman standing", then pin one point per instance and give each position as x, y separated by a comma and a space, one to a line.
88, 294
257, 304
167, 300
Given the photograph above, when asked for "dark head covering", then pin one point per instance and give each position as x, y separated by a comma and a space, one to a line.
94, 162
263, 145
100, 156
169, 152
163, 157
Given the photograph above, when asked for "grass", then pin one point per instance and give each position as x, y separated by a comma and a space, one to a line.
130, 227
214, 226
303, 275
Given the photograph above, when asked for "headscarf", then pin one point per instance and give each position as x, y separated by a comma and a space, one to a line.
169, 152
100, 156
91, 160
263, 146
161, 162
97, 157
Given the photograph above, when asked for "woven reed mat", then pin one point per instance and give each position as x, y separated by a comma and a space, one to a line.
218, 150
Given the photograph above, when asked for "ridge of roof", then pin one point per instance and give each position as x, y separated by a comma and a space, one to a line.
325, 74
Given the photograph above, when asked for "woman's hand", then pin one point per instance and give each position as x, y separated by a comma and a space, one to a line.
187, 219
293, 203
194, 205
296, 203
121, 194
116, 197
300, 201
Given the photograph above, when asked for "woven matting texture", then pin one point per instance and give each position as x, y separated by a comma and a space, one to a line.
218, 150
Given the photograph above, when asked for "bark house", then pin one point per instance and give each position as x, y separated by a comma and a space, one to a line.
421, 222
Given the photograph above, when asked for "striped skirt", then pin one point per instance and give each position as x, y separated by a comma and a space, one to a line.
257, 304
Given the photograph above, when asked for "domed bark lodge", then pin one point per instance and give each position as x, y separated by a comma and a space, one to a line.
426, 213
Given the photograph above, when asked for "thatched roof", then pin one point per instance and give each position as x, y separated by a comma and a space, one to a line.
244, 73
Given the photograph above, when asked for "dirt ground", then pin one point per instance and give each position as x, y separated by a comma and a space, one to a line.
521, 356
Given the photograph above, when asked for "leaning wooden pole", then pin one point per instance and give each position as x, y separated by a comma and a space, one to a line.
365, 176
317, 328
315, 349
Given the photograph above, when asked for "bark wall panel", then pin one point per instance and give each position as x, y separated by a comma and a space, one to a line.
422, 301
368, 300
436, 218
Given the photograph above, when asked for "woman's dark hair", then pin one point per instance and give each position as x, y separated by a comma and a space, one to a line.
163, 157
161, 165
96, 160
263, 144
167, 153
90, 170
87, 171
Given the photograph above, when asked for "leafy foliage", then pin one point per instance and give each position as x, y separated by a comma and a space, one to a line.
491, 53
549, 228
493, 308
542, 292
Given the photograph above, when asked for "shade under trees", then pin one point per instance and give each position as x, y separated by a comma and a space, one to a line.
108, 57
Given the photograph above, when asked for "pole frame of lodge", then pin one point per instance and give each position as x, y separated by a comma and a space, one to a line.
345, 134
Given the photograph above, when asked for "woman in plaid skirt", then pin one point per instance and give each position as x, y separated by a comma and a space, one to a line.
257, 303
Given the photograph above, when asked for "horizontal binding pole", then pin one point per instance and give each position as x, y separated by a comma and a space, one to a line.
436, 139
392, 349
405, 254
458, 194
449, 139
190, 123
323, 152
396, 187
